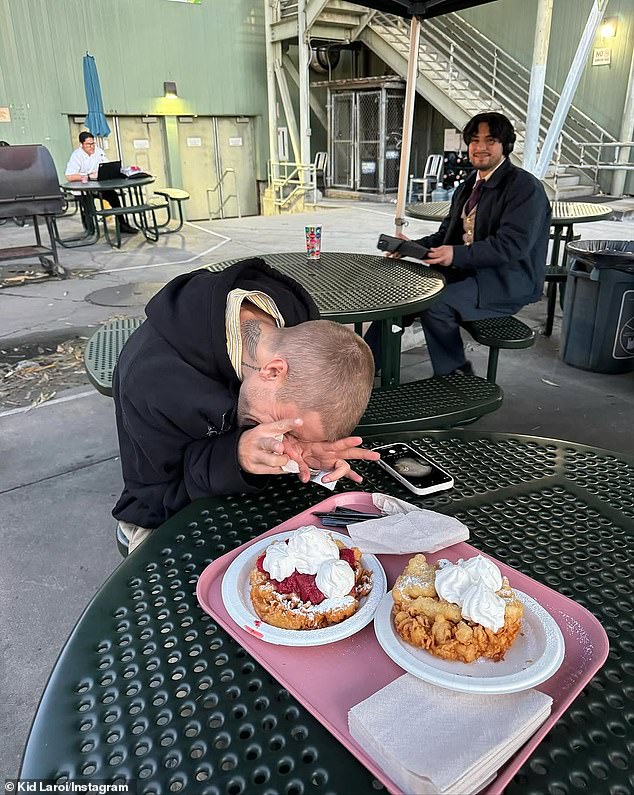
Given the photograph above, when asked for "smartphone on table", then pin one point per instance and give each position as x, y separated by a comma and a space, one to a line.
412, 469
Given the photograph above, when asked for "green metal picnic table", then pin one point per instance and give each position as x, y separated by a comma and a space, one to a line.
149, 688
347, 288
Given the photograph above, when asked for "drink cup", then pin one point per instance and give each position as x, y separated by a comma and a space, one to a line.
84, 178
313, 241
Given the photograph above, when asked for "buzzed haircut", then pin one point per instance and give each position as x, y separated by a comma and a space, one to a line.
83, 136
330, 371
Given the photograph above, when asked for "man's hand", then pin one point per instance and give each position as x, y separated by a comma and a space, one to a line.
441, 255
260, 450
395, 254
329, 456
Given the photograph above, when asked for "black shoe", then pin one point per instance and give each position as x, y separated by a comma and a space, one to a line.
126, 229
464, 369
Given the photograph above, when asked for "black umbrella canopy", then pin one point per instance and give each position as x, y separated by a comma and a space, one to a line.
423, 9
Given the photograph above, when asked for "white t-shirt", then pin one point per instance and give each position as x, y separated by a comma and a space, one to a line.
81, 163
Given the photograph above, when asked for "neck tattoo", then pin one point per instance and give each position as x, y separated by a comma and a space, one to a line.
251, 333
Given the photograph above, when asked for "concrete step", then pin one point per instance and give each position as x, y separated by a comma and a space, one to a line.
567, 180
564, 193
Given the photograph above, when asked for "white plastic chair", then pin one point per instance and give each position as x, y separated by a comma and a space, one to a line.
432, 173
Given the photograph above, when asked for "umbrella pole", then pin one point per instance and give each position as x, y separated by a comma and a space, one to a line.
408, 121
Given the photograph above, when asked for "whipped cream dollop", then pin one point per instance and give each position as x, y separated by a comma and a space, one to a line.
279, 561
472, 584
451, 583
311, 546
335, 578
305, 552
483, 606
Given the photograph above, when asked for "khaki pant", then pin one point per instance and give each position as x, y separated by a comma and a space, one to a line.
136, 535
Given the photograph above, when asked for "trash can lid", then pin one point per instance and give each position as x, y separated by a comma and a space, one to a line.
617, 254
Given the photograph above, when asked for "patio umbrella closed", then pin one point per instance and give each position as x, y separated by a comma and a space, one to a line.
95, 120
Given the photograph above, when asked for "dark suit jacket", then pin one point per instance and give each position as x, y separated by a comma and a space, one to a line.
508, 255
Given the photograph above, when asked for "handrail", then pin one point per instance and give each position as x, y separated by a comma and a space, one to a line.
479, 57
287, 174
223, 201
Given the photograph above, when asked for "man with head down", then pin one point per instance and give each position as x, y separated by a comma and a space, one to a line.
231, 377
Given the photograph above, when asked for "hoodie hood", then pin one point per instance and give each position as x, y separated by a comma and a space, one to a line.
189, 312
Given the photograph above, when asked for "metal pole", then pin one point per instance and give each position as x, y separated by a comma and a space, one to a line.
304, 103
570, 86
408, 120
270, 86
627, 134
538, 79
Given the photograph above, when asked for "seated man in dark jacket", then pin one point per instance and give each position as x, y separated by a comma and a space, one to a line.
231, 376
492, 246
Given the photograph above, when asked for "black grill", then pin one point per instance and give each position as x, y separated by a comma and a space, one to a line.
29, 187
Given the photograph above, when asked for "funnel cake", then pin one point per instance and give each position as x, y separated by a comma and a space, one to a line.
424, 619
296, 601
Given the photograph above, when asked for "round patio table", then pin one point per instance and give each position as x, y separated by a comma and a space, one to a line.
89, 190
354, 288
148, 686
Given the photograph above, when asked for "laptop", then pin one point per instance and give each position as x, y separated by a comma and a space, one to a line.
110, 170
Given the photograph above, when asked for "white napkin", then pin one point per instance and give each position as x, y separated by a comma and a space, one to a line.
432, 741
292, 467
406, 528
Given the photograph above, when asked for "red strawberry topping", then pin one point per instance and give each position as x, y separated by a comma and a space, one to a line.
304, 585
347, 555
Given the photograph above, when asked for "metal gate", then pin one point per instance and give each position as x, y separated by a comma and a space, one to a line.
365, 139
341, 155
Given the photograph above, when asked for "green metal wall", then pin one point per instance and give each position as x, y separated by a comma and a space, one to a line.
601, 90
214, 52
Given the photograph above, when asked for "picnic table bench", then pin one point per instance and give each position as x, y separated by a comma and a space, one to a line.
438, 402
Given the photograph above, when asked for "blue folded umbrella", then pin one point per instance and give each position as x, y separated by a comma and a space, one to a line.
96, 119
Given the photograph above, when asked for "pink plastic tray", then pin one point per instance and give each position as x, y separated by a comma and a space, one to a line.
329, 680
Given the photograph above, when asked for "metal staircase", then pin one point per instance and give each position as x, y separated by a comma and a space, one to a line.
462, 72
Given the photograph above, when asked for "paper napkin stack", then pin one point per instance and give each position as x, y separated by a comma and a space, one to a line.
432, 741
406, 528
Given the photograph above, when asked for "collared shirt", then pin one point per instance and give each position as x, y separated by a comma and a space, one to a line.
81, 163
232, 321
468, 221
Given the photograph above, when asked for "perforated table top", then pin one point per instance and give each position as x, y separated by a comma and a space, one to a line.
352, 288
149, 688
563, 213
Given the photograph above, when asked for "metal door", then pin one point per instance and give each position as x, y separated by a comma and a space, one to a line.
76, 124
142, 144
368, 163
235, 191
342, 143
197, 148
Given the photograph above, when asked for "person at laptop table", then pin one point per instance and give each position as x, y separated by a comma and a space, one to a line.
84, 165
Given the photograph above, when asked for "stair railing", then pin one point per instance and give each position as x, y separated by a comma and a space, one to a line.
290, 181
223, 197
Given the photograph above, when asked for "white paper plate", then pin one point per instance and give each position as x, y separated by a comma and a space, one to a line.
535, 656
237, 600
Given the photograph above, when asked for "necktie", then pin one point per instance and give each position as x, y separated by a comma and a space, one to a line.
474, 198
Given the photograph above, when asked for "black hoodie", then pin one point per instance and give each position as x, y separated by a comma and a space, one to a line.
176, 392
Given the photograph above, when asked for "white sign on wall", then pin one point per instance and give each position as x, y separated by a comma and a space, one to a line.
141, 143
235, 141
453, 140
194, 142
601, 56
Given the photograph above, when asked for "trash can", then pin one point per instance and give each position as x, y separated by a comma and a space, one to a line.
598, 323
